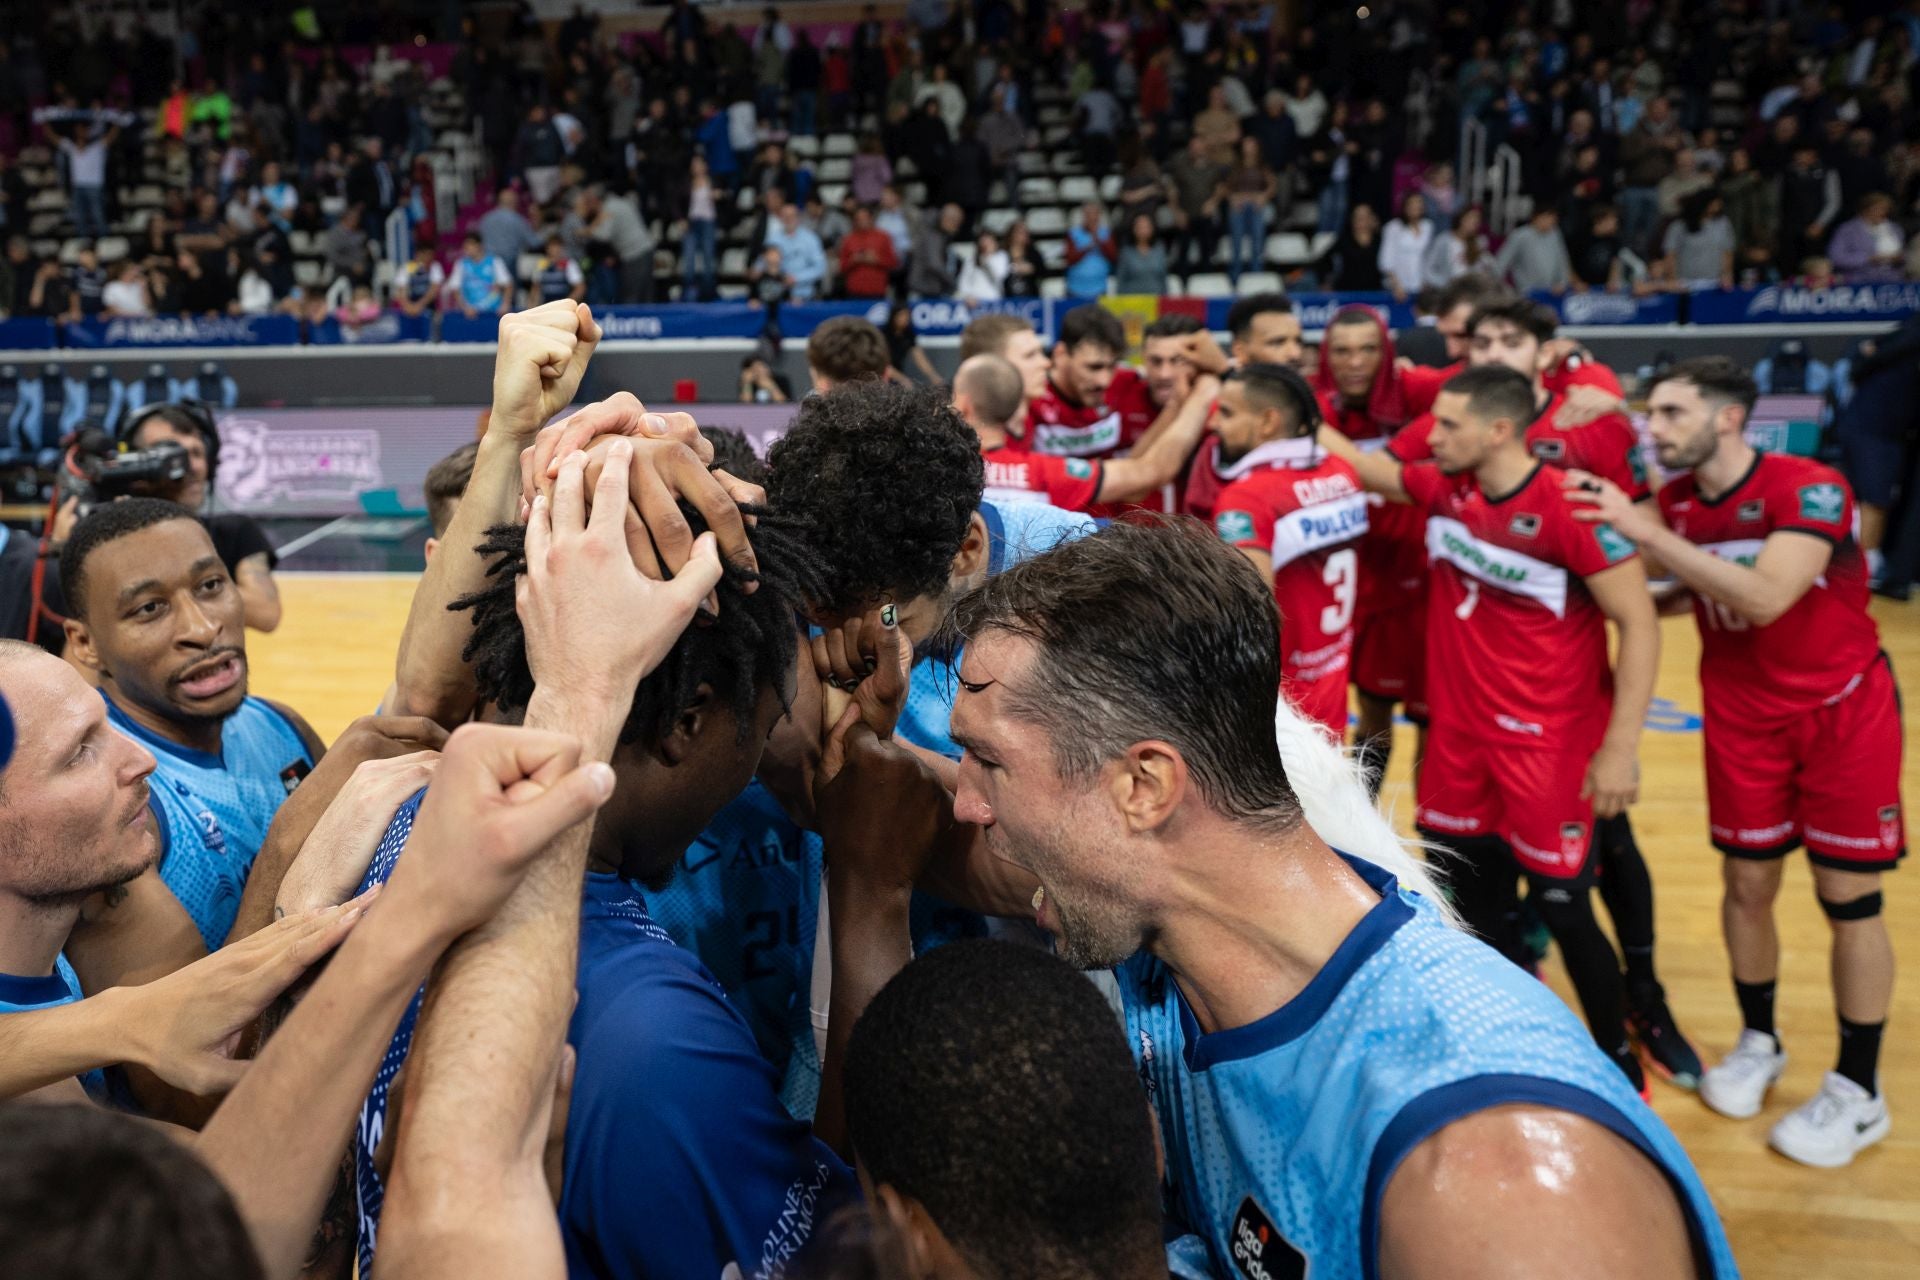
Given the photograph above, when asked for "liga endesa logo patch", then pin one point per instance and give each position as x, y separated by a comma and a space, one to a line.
1260, 1252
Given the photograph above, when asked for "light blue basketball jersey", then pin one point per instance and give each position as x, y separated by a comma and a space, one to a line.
213, 811
1281, 1135
62, 986
1016, 531
745, 899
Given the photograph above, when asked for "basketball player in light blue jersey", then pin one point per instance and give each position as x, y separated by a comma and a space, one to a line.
158, 627
1345, 1086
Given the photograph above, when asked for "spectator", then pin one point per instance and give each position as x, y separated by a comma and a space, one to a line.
1143, 260
1861, 167
870, 172
843, 350
769, 73
1193, 182
280, 196
480, 284
126, 294
206, 284
1005, 136
1024, 267
930, 268
370, 183
539, 152
867, 257
968, 178
1809, 204
717, 142
759, 384
1217, 128
939, 88
769, 288
1534, 257
50, 294
1458, 251
1275, 131
344, 246
16, 276
1683, 181
805, 258
87, 179
1869, 246
830, 224
1699, 244
88, 282
927, 141
1753, 210
1444, 201
1330, 169
615, 221
1097, 117
418, 284
555, 275
505, 231
1248, 190
1352, 262
803, 84
1404, 246
901, 223
359, 309
254, 295
1647, 156
1090, 254
983, 277
906, 359
836, 79
699, 263
1600, 258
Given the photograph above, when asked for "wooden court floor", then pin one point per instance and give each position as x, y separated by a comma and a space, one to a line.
333, 657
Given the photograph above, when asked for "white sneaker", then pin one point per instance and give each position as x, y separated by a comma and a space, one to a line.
1737, 1084
1832, 1126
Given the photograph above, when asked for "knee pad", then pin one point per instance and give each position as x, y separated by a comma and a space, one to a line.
1865, 907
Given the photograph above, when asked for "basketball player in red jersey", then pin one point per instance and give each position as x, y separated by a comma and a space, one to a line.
987, 393
1514, 332
1093, 405
1263, 329
1803, 730
1362, 398
1298, 514
1532, 734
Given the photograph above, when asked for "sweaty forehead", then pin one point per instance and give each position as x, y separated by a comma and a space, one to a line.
49, 702
988, 664
163, 552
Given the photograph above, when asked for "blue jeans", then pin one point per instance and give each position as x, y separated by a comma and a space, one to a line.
698, 282
89, 212
1247, 225
1333, 207
805, 103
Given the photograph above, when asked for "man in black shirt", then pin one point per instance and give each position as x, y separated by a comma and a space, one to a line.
240, 541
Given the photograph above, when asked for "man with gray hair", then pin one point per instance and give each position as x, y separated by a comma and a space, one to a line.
988, 392
1327, 1059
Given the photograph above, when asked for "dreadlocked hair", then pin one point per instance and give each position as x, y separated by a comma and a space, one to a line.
748, 646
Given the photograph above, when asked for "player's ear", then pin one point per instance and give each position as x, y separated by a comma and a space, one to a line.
972, 556
81, 651
929, 1255
1147, 784
678, 744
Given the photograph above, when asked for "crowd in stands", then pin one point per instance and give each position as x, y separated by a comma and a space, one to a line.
981, 151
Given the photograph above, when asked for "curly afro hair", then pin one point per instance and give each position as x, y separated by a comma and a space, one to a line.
749, 646
884, 480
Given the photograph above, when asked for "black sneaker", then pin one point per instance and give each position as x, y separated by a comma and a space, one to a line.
1629, 1063
1653, 1027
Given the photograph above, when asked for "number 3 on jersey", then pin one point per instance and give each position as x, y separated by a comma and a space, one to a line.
1343, 575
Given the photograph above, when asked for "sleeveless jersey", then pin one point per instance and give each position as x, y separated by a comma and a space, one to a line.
62, 986
480, 283
1306, 510
1281, 1136
745, 899
555, 278
415, 282
1516, 646
213, 811
1815, 652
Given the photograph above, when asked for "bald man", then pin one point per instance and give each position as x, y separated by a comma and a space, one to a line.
988, 392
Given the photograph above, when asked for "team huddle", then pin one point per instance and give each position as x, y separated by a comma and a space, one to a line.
707, 896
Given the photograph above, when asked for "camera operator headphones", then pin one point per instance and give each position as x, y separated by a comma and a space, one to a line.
197, 412
1297, 386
